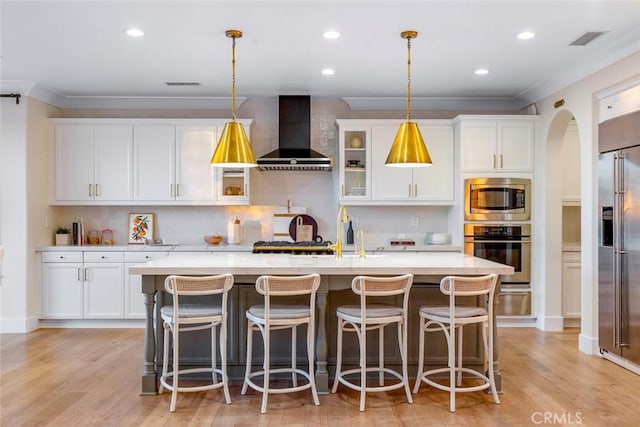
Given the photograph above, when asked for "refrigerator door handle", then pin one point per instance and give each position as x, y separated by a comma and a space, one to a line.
618, 186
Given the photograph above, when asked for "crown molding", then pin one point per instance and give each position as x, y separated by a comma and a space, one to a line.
56, 99
435, 103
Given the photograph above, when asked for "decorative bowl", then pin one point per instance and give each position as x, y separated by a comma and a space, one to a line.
213, 239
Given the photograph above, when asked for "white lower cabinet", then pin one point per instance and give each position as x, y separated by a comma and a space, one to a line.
62, 285
571, 266
134, 307
82, 285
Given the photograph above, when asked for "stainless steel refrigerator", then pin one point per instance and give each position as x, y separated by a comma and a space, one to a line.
619, 238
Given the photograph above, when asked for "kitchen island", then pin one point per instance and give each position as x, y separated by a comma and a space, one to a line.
336, 274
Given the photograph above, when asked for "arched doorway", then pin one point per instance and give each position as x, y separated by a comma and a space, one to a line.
554, 301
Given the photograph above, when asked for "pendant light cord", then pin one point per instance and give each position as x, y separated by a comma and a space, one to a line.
408, 79
233, 79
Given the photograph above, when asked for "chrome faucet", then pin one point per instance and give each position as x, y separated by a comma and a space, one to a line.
341, 219
360, 237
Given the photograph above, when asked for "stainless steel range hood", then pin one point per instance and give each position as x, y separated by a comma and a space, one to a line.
294, 142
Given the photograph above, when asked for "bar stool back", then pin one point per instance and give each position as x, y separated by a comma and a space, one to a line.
184, 317
272, 316
366, 317
451, 319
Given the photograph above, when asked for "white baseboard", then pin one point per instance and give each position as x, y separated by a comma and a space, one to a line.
18, 325
587, 344
550, 323
515, 322
92, 324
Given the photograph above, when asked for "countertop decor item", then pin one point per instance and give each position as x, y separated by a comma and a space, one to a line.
408, 148
63, 236
233, 149
141, 227
213, 239
302, 220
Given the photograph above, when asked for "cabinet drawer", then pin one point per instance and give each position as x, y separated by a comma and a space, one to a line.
103, 256
66, 256
143, 256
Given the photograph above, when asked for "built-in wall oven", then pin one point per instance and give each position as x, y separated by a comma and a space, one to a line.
497, 199
507, 244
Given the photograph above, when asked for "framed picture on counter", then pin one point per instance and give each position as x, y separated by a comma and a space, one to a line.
141, 227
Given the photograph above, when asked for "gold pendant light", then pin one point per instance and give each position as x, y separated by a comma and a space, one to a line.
408, 149
233, 149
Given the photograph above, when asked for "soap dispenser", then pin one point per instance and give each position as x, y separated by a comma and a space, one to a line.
350, 234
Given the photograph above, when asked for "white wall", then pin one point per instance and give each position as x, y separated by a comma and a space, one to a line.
13, 215
579, 101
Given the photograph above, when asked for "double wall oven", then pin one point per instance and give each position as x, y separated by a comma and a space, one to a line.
497, 211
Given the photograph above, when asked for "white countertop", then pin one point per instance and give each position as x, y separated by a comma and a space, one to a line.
442, 263
235, 248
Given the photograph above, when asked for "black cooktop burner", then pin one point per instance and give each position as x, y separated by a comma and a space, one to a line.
284, 247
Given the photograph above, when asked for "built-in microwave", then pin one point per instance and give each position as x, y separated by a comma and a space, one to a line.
497, 199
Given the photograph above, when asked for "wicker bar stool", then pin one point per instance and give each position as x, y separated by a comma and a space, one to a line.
451, 319
269, 317
367, 317
184, 317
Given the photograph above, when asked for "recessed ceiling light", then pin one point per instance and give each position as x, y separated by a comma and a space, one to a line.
328, 71
331, 34
525, 35
134, 32
481, 71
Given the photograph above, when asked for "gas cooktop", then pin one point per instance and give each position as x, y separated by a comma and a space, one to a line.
300, 248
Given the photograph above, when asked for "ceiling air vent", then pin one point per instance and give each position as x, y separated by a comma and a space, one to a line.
586, 38
182, 83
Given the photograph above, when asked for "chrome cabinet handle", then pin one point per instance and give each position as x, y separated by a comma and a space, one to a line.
90, 190
177, 190
79, 278
415, 190
171, 191
494, 161
500, 161
409, 190
97, 190
86, 274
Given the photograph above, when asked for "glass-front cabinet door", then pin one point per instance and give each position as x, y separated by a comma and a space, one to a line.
233, 185
354, 161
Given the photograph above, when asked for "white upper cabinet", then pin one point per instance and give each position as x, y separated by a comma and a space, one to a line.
195, 177
154, 162
619, 100
146, 161
571, 165
365, 179
92, 163
489, 144
354, 161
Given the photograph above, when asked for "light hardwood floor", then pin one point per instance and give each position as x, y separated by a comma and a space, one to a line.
83, 377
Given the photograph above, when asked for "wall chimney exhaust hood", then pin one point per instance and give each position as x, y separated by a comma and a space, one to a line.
294, 142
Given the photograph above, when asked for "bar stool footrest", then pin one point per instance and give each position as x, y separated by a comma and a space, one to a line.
213, 386
357, 387
261, 389
425, 378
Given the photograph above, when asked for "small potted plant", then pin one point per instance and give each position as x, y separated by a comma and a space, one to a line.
63, 236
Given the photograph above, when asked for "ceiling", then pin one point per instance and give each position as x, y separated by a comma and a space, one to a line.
78, 50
